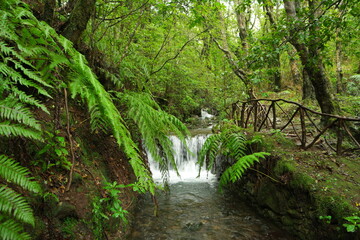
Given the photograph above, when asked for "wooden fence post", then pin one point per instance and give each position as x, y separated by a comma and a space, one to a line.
274, 115
255, 115
242, 117
303, 128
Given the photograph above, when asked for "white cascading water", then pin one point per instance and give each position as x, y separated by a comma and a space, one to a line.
185, 161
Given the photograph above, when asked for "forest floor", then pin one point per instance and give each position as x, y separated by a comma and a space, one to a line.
69, 213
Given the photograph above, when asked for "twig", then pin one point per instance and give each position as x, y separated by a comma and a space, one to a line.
290, 121
178, 53
70, 140
266, 175
319, 135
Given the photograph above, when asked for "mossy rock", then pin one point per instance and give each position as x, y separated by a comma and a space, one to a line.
269, 195
65, 210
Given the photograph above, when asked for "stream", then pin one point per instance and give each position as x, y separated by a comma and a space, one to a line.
194, 209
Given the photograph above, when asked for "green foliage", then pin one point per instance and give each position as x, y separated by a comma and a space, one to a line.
17, 120
353, 223
113, 202
326, 219
98, 217
104, 115
53, 153
352, 86
232, 144
154, 125
106, 207
12, 172
235, 172
68, 227
14, 209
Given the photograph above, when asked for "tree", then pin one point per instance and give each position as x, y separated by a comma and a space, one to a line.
310, 51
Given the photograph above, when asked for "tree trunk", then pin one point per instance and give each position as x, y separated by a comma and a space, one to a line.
311, 60
308, 89
231, 58
49, 10
78, 20
241, 20
276, 60
339, 71
276, 74
294, 68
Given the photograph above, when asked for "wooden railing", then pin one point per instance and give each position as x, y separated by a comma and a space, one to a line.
266, 113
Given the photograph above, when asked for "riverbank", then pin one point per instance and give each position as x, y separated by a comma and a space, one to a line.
309, 193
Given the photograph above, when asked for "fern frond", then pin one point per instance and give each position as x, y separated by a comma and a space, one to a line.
11, 171
15, 205
12, 230
209, 151
236, 171
85, 84
11, 109
17, 130
154, 126
28, 99
232, 144
17, 78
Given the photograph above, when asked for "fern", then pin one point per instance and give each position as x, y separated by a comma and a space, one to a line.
231, 144
14, 173
11, 230
17, 45
103, 110
11, 109
154, 125
235, 172
16, 130
14, 208
15, 205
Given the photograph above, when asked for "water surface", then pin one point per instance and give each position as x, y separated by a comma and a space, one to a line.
196, 210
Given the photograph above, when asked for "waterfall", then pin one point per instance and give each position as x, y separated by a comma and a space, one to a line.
185, 161
206, 115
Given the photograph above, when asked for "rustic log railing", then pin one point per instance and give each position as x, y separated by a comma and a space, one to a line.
261, 116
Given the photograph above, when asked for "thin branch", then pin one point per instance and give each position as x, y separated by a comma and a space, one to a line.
124, 16
178, 53
238, 71
273, 179
163, 43
351, 136
295, 32
70, 140
120, 19
126, 48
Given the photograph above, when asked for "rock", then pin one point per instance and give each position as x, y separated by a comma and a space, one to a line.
64, 210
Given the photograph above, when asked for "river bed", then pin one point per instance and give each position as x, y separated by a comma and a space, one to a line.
196, 211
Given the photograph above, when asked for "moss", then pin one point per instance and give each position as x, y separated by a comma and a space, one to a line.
335, 206
302, 181
284, 166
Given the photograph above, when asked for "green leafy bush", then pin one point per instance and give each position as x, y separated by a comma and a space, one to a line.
230, 143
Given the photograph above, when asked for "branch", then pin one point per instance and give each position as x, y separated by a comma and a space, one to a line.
126, 15
238, 71
295, 31
163, 43
120, 19
126, 48
178, 53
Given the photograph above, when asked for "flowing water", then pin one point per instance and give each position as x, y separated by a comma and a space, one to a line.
195, 210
